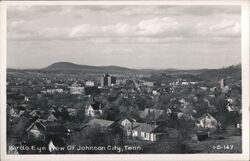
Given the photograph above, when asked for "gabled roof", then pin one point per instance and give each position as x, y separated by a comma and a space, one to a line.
34, 113
205, 115
38, 124
128, 118
51, 117
100, 122
144, 127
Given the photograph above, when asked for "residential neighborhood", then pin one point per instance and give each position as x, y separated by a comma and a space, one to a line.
56, 109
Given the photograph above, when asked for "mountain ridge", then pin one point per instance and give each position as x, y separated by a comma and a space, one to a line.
233, 70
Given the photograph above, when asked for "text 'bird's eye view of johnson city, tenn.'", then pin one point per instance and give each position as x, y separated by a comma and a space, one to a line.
123, 80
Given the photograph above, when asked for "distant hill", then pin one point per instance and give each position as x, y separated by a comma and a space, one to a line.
232, 73
66, 66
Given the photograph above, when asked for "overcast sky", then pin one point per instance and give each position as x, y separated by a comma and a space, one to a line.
184, 37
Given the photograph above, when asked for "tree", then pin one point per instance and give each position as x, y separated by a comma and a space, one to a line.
185, 127
221, 103
111, 112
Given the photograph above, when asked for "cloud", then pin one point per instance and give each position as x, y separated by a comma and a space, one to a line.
157, 25
122, 35
147, 27
223, 28
227, 27
77, 31
155, 10
200, 10
160, 26
31, 11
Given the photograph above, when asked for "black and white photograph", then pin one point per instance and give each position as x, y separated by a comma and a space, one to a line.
124, 79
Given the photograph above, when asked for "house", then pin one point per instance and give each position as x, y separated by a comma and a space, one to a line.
127, 123
51, 117
141, 131
138, 130
58, 114
144, 131
15, 114
94, 109
206, 121
36, 131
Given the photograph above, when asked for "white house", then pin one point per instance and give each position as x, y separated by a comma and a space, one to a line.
36, 131
141, 131
206, 121
144, 131
94, 109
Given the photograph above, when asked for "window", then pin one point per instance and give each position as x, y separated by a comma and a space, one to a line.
142, 134
135, 133
147, 136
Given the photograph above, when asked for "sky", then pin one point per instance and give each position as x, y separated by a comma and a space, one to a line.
156, 37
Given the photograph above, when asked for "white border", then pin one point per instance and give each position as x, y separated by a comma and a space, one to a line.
147, 157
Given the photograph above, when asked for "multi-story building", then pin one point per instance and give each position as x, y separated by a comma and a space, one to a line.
76, 89
108, 80
89, 83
